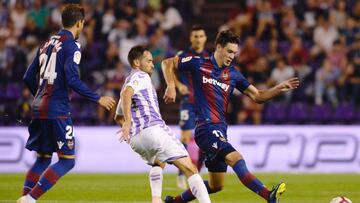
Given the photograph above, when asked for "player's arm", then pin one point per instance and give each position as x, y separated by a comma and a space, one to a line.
261, 96
126, 99
119, 115
74, 82
183, 89
168, 67
30, 76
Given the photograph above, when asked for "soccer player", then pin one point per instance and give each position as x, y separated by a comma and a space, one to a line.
53, 72
185, 87
214, 81
143, 128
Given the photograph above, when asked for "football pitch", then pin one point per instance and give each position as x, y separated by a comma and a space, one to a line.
126, 188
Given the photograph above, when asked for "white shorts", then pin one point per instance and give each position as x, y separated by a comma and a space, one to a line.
158, 142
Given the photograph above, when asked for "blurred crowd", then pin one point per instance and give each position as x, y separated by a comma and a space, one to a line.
315, 40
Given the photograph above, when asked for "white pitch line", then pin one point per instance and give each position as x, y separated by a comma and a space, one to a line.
96, 201
77, 201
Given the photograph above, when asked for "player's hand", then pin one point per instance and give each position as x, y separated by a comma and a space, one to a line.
183, 89
124, 133
107, 102
289, 84
170, 94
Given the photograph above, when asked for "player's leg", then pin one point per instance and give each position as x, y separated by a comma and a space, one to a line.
236, 161
155, 179
195, 181
147, 144
43, 160
61, 131
187, 124
53, 174
38, 142
215, 184
185, 140
172, 151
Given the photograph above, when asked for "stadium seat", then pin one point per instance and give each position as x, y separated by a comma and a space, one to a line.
274, 113
343, 113
320, 113
298, 113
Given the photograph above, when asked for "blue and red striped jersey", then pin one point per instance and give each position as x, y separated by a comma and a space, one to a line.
185, 76
51, 75
213, 87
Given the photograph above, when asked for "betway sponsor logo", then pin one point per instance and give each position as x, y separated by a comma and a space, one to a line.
212, 81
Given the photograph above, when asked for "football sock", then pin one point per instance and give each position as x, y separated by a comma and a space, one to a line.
249, 180
156, 178
188, 196
198, 188
33, 175
51, 176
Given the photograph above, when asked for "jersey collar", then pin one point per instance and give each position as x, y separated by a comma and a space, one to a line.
213, 61
66, 33
195, 53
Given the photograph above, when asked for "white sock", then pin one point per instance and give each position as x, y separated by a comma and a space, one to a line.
30, 199
155, 178
198, 188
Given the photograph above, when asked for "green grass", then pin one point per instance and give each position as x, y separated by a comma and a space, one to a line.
301, 188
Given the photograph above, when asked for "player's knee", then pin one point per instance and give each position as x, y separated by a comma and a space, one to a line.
68, 164
232, 158
189, 168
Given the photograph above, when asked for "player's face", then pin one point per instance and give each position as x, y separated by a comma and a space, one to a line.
147, 63
228, 53
198, 39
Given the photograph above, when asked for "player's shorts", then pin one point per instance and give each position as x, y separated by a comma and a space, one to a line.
187, 116
212, 140
158, 142
51, 135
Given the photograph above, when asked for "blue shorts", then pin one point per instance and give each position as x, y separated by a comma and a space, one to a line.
212, 140
187, 116
51, 135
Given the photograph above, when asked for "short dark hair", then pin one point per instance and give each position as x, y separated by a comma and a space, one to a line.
225, 37
196, 28
136, 52
71, 14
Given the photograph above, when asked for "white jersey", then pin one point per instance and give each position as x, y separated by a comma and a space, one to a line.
144, 107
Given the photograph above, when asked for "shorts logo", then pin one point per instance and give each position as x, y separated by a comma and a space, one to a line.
215, 145
70, 144
60, 144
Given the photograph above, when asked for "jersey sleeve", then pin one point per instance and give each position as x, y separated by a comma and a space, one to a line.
72, 75
241, 83
189, 63
30, 76
137, 82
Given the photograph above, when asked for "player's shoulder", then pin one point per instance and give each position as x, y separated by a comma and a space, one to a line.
72, 45
138, 75
235, 73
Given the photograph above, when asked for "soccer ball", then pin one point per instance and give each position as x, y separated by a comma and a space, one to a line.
340, 200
